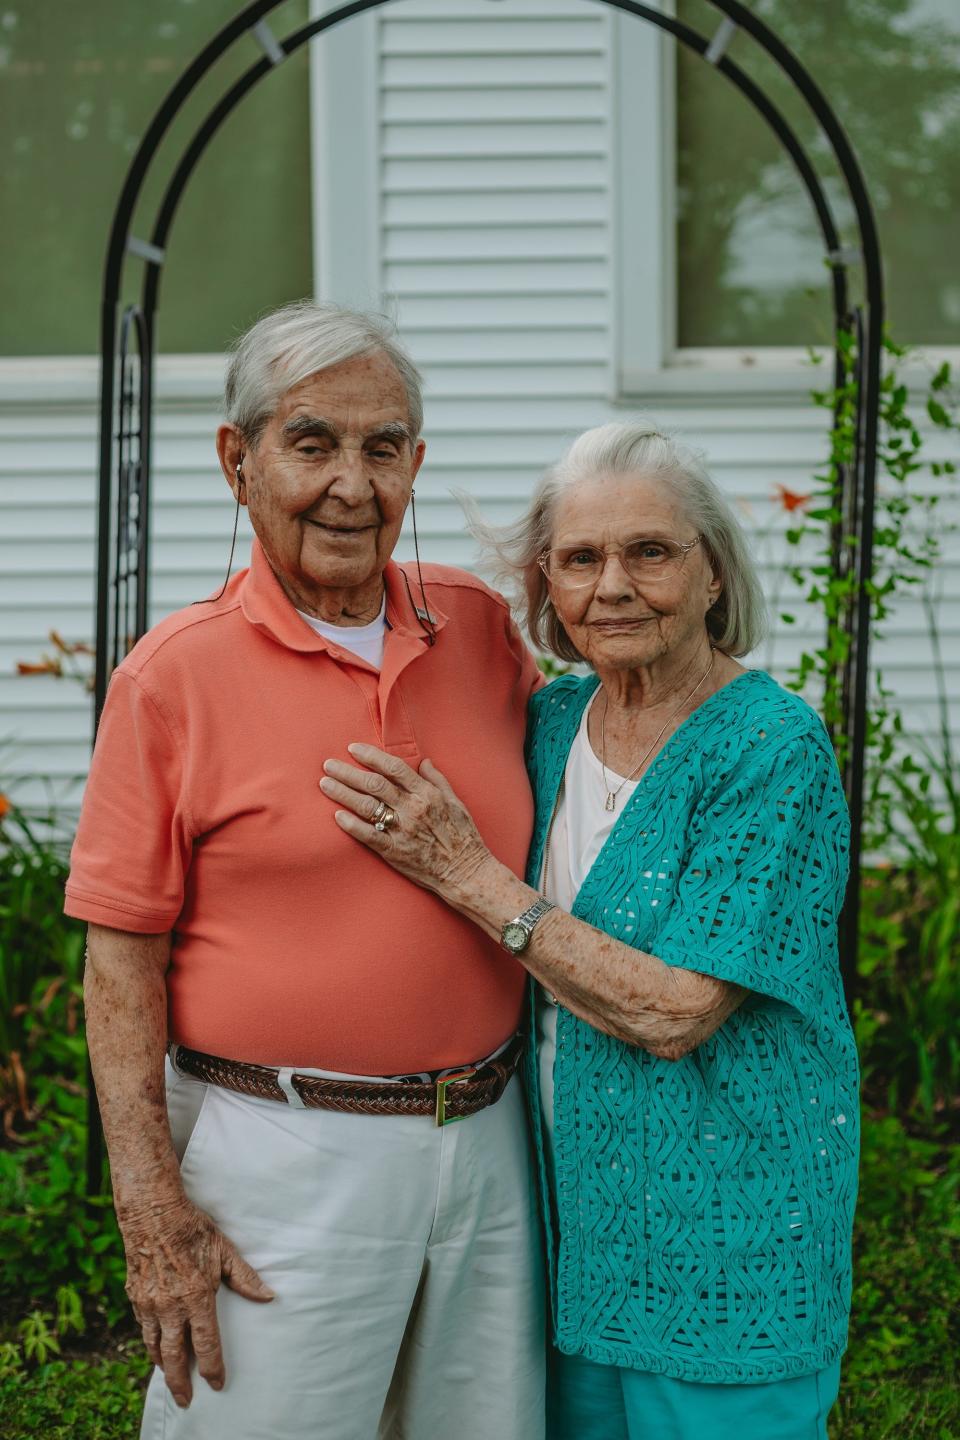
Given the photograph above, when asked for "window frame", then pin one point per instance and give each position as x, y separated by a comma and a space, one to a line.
647, 362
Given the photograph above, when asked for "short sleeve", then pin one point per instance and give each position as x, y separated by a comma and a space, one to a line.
132, 849
532, 677
763, 880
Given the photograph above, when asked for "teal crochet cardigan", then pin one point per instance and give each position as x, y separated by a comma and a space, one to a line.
699, 1211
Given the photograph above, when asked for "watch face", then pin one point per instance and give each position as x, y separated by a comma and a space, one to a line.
515, 937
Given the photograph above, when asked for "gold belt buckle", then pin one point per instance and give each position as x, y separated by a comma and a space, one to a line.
455, 1079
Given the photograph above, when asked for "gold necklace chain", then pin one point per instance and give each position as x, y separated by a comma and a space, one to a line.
611, 800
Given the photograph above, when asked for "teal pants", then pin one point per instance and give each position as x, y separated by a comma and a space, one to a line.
587, 1401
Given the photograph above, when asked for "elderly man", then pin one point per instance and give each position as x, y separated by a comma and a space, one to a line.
381, 1270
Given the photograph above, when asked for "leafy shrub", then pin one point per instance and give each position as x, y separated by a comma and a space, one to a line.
80, 1396
42, 1052
907, 1012
901, 1372
907, 1006
51, 1233
76, 1399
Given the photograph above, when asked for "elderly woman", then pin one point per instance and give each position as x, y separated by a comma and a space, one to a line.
314, 1002
695, 1100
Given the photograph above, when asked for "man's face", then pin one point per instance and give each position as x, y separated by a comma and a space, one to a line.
328, 482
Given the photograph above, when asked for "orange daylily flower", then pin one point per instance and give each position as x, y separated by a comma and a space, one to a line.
791, 500
6, 805
43, 667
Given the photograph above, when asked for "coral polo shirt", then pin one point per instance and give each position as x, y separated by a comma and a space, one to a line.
291, 943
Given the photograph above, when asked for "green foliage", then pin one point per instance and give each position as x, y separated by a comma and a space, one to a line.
44, 1391
62, 1273
56, 1245
908, 1004
907, 1012
41, 963
905, 543
908, 1015
38, 1341
551, 667
53, 1239
75, 1399
902, 1370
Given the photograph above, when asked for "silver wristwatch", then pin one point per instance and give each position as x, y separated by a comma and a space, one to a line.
515, 935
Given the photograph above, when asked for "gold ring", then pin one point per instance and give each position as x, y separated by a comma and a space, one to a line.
380, 811
388, 818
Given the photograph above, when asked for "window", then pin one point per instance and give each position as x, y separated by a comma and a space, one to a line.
750, 265
77, 90
718, 247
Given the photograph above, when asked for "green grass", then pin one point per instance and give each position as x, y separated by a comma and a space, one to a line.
98, 1397
897, 1410
901, 1376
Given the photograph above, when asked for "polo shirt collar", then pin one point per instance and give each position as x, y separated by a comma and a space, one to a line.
265, 605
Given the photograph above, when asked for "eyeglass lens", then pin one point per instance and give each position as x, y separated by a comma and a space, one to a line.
642, 560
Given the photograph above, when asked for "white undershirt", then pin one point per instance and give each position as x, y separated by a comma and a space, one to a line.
580, 829
364, 641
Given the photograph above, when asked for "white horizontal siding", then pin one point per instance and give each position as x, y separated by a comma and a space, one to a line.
495, 210
579, 240
488, 82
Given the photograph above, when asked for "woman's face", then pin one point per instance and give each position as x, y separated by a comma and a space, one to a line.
618, 622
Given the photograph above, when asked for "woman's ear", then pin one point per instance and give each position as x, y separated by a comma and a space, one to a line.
715, 587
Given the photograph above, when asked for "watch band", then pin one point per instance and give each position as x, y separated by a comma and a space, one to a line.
515, 935
536, 912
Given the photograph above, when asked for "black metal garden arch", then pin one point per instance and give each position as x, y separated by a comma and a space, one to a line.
127, 354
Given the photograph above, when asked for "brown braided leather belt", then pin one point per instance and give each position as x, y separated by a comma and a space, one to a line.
453, 1097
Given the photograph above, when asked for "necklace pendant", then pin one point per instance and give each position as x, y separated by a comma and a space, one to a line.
610, 801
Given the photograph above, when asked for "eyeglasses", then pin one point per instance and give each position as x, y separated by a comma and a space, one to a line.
572, 566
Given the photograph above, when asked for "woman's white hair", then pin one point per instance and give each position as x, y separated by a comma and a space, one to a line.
285, 346
737, 621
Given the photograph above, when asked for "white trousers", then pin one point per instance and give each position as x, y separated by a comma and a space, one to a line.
406, 1264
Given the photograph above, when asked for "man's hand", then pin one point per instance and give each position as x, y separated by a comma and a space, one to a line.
176, 1259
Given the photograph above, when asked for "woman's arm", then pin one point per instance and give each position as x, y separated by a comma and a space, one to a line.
617, 989
614, 987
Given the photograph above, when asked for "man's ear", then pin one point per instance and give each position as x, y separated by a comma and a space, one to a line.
419, 450
230, 453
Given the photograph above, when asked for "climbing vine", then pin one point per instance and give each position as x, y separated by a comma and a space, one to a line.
907, 543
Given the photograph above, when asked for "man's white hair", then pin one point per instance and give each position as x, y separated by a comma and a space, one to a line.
737, 621
285, 346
